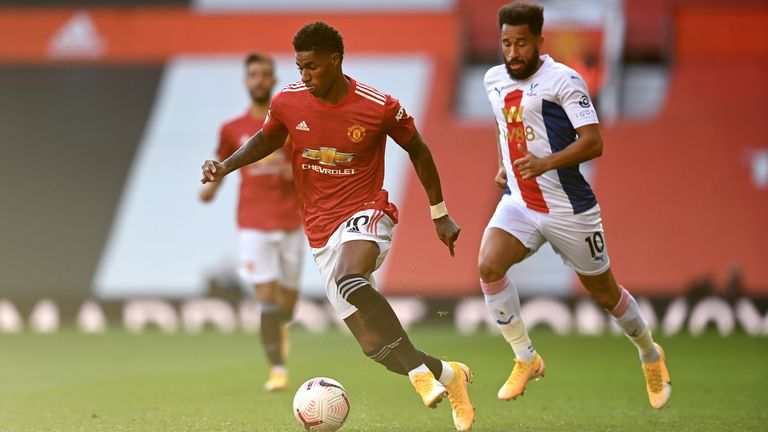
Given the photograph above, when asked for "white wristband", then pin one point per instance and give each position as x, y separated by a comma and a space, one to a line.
438, 210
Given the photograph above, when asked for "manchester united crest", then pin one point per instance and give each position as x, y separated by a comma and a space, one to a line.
356, 133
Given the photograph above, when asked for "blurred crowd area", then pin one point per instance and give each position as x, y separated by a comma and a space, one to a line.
108, 108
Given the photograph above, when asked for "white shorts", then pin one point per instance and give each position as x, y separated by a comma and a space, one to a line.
578, 239
370, 225
267, 256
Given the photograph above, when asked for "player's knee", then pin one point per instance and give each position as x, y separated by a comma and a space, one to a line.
345, 268
339, 272
350, 283
342, 271
266, 293
490, 269
287, 299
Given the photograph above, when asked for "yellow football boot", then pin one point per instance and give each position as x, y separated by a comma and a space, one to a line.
522, 373
429, 389
277, 381
657, 380
461, 408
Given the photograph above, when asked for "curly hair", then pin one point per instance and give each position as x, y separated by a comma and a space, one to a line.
318, 36
520, 13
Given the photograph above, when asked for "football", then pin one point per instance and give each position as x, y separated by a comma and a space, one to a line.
321, 404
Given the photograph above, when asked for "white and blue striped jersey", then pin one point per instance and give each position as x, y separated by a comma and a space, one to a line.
542, 113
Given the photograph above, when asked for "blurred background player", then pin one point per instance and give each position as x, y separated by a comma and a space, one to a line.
268, 218
338, 128
547, 126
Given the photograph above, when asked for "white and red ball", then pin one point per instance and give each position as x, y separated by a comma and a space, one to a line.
321, 404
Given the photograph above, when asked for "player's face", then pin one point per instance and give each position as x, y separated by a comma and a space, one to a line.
259, 80
521, 50
319, 71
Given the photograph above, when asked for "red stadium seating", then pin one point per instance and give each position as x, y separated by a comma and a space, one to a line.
676, 191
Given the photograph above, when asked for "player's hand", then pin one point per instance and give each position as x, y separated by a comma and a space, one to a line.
447, 231
501, 178
207, 193
529, 165
212, 171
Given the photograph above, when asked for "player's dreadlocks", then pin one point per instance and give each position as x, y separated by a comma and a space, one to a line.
318, 36
521, 13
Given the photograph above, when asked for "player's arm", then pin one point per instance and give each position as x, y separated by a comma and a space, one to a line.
501, 173
588, 146
421, 158
256, 148
208, 191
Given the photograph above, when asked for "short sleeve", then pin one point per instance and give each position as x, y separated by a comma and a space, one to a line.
398, 124
273, 122
490, 82
574, 98
226, 147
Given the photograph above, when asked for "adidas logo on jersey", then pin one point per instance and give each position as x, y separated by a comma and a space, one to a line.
302, 126
353, 229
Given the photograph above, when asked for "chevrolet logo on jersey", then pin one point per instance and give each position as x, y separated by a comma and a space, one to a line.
328, 156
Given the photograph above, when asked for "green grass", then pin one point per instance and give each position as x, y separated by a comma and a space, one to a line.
212, 382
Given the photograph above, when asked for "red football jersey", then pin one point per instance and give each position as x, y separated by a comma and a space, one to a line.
268, 200
338, 152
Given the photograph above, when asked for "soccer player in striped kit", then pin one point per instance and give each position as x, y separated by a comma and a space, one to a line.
547, 125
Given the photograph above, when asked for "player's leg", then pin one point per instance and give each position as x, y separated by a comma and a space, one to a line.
271, 335
372, 320
291, 255
259, 268
499, 250
626, 313
383, 339
374, 323
286, 299
623, 309
580, 241
502, 247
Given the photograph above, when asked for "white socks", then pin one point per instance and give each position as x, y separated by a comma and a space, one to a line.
419, 369
504, 304
517, 336
447, 374
627, 315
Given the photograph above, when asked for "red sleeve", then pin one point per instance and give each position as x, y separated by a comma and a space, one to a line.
288, 149
273, 123
397, 123
226, 148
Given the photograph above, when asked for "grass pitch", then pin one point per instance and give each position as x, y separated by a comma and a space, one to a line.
213, 382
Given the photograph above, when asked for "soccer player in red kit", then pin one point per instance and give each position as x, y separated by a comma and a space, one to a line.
338, 128
268, 218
